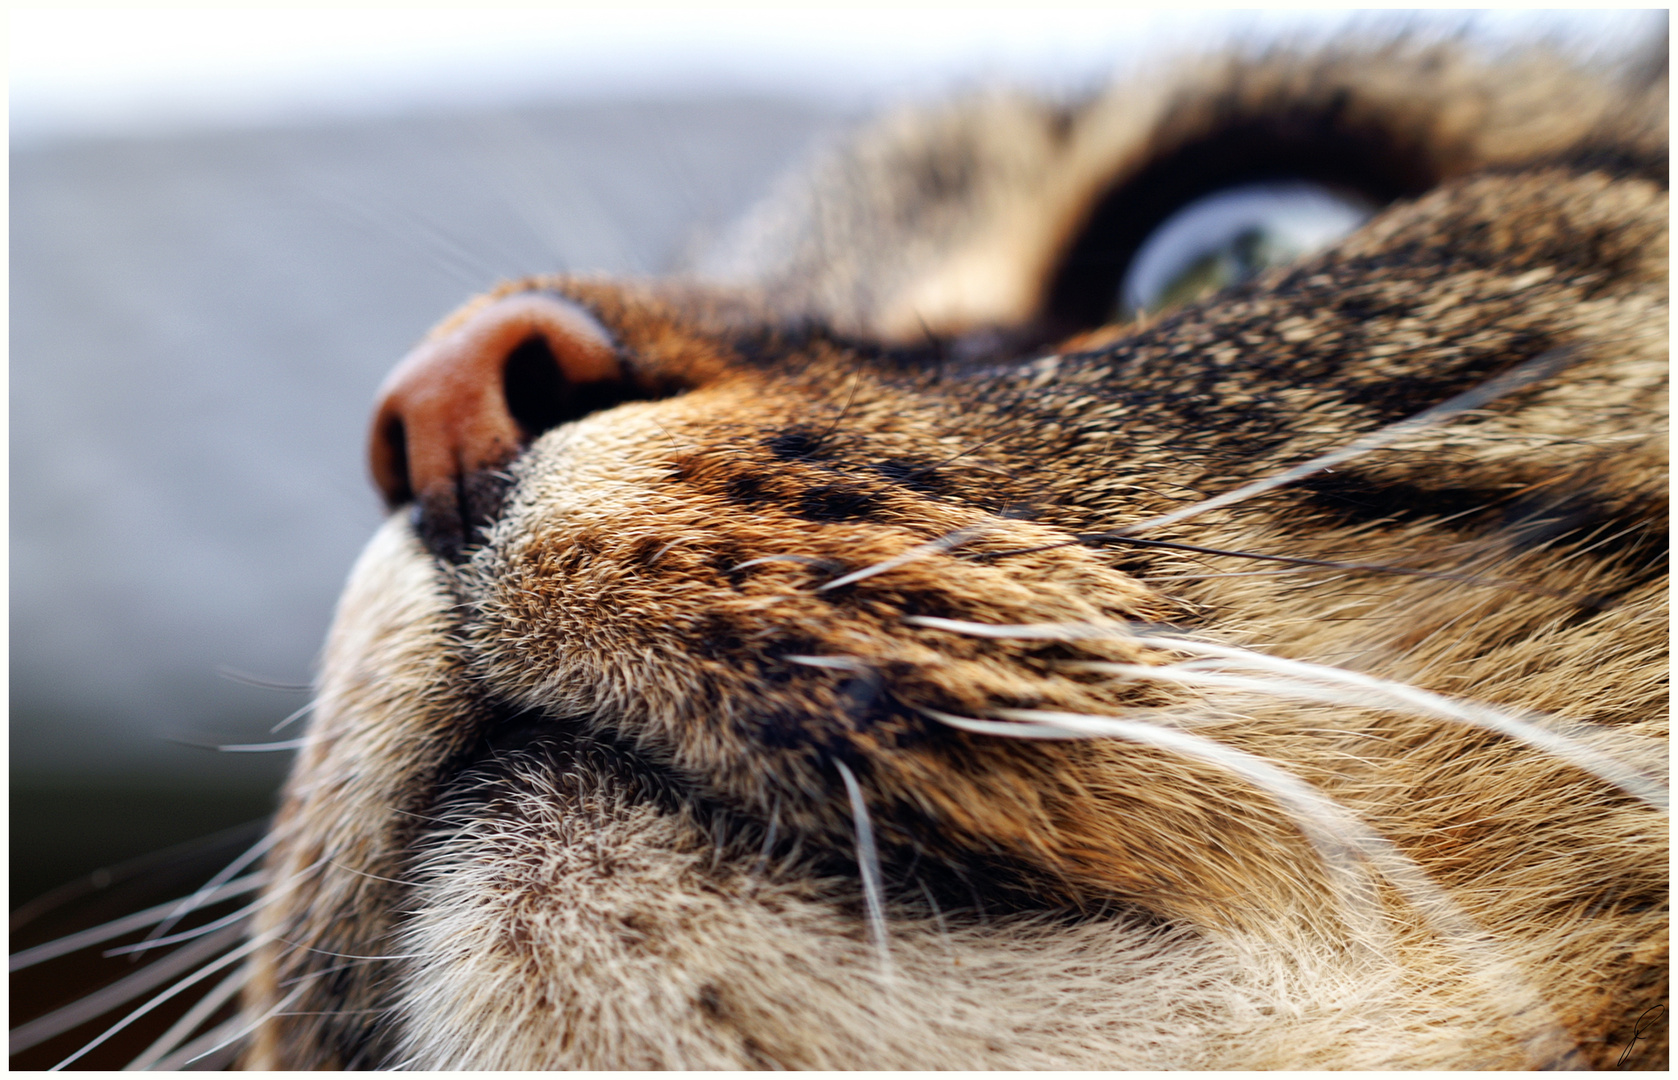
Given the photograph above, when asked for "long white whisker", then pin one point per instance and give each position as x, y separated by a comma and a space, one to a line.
1324, 823
201, 1011
1043, 631
1330, 829
1537, 369
868, 863
101, 1001
319, 973
834, 663
1199, 678
214, 1039
202, 973
235, 675
196, 900
261, 748
297, 714
241, 1033
191, 1051
1395, 696
1580, 755
199, 931
94, 935
947, 542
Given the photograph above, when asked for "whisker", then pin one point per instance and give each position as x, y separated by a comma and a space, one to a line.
267, 748
1539, 368
937, 914
217, 880
198, 931
1603, 766
1332, 830
868, 863
807, 560
417, 231
1046, 631
1397, 696
674, 444
94, 935
319, 973
216, 1038
201, 1011
1318, 817
296, 715
235, 675
103, 1000
241, 1033
835, 663
944, 543
235, 748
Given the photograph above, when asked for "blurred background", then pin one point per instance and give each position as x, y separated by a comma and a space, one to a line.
227, 225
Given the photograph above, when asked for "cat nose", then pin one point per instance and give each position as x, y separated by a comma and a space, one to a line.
467, 400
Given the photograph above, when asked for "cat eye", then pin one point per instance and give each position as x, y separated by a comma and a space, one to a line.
1229, 236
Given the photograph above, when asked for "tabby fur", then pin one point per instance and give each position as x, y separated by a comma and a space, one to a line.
578, 789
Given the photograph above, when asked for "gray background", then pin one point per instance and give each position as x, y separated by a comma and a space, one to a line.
198, 324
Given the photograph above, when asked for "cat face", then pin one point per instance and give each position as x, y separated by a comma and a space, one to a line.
679, 574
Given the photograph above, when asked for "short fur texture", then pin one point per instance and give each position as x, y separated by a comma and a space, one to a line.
577, 794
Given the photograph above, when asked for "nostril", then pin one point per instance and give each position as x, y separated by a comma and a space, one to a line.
534, 388
391, 445
539, 397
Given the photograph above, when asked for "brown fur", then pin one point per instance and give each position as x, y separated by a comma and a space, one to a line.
568, 802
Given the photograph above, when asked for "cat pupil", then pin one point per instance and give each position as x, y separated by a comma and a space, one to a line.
1229, 236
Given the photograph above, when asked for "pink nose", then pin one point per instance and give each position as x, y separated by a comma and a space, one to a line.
468, 400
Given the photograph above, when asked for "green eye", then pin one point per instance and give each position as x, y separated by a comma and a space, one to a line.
1229, 236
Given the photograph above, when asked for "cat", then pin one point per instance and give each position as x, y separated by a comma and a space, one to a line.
977, 637
1173, 580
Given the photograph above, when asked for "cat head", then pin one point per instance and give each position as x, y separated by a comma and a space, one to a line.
1157, 611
